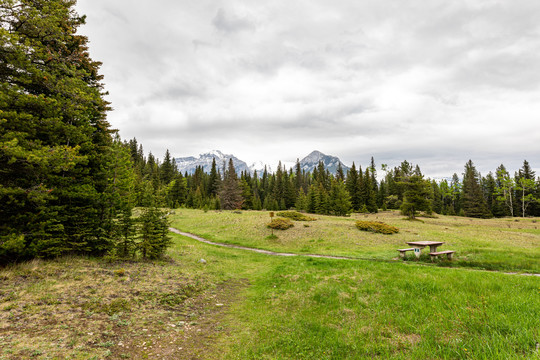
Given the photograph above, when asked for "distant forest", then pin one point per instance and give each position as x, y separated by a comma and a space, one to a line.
68, 183
403, 187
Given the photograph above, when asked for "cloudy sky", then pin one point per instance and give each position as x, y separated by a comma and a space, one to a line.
434, 82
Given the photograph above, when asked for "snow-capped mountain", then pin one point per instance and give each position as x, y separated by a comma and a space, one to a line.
190, 163
259, 167
331, 163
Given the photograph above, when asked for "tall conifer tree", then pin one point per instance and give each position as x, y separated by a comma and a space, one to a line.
474, 204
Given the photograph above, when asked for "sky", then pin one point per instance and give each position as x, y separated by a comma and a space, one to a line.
434, 82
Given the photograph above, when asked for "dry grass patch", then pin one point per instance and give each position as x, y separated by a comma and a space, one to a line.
83, 309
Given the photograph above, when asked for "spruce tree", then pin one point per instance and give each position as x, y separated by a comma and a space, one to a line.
55, 142
230, 194
474, 204
214, 180
437, 203
153, 239
416, 195
352, 187
167, 169
339, 198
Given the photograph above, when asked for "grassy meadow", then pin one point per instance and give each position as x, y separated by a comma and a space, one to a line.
493, 244
244, 305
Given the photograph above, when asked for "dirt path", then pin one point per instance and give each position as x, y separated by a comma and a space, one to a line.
260, 251
273, 253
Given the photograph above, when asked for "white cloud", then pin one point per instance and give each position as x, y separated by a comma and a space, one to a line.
434, 82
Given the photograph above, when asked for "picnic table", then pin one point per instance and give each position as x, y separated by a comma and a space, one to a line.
433, 245
417, 247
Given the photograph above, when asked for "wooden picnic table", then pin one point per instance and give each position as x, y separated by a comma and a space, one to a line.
433, 245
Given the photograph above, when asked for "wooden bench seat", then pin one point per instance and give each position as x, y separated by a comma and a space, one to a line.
403, 251
449, 254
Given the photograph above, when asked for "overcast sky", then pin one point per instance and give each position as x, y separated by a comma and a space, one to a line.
434, 82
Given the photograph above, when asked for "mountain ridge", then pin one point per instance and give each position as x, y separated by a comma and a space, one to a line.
190, 163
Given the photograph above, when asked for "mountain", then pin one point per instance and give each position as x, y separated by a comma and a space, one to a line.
331, 163
259, 167
190, 163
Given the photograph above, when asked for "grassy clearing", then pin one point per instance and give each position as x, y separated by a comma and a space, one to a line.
493, 244
329, 309
243, 305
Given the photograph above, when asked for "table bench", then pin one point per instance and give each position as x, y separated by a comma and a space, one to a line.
449, 254
403, 251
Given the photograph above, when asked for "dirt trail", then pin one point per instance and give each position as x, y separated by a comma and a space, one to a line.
260, 251
273, 253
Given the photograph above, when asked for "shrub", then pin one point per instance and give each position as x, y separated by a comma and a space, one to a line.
295, 215
376, 227
280, 224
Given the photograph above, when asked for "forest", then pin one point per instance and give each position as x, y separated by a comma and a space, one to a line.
69, 184
402, 188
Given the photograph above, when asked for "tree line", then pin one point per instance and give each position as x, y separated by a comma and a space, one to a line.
403, 188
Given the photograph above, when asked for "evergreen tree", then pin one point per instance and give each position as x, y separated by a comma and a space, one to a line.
340, 198
55, 143
214, 180
352, 187
437, 203
177, 192
455, 194
313, 199
153, 239
247, 194
416, 195
340, 176
301, 201
126, 232
167, 169
370, 192
230, 195
474, 204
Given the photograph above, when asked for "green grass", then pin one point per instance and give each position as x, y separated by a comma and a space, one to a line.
492, 244
328, 309
277, 307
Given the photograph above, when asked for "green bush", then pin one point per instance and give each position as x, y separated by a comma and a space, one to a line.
280, 224
295, 215
376, 227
